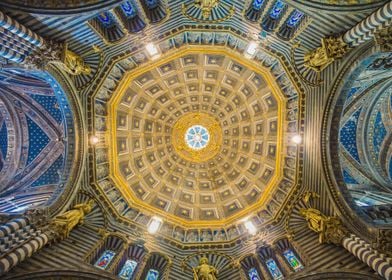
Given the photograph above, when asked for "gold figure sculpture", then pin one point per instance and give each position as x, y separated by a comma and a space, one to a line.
73, 63
331, 49
206, 6
330, 229
63, 224
204, 271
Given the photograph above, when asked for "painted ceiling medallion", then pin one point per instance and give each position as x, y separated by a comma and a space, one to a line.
208, 11
197, 137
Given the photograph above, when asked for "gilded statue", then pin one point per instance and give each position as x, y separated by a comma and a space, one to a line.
64, 223
73, 63
206, 6
331, 49
204, 271
314, 218
330, 229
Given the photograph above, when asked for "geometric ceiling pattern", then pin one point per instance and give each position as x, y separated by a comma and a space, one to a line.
366, 132
140, 167
197, 188
35, 120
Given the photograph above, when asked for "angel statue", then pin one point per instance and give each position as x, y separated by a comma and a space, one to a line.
204, 271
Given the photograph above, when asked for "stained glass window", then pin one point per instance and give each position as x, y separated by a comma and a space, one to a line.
293, 260
127, 270
253, 274
257, 4
277, 9
152, 275
197, 137
105, 259
295, 18
274, 269
128, 9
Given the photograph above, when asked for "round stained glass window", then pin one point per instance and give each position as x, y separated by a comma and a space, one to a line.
197, 137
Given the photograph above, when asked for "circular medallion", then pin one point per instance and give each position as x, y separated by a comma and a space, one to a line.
197, 137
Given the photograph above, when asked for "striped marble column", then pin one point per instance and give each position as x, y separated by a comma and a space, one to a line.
19, 254
368, 255
365, 30
16, 28
13, 225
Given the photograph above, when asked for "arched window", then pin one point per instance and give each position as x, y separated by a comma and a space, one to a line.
152, 275
253, 274
292, 259
105, 259
128, 270
289, 254
268, 259
274, 269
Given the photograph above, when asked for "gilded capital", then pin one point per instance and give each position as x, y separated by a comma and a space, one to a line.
332, 48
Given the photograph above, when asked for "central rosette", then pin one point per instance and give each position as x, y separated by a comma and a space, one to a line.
197, 137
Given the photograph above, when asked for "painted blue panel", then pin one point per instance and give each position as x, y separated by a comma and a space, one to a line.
348, 135
274, 269
151, 4
379, 133
50, 104
277, 9
152, 275
106, 19
257, 4
3, 140
128, 9
105, 259
52, 175
253, 274
295, 18
348, 179
127, 270
293, 260
37, 140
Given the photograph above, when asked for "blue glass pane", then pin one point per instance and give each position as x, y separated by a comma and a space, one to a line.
37, 140
253, 274
277, 9
293, 260
294, 18
128, 9
257, 4
152, 275
274, 269
379, 133
348, 135
390, 167
106, 19
105, 259
127, 270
